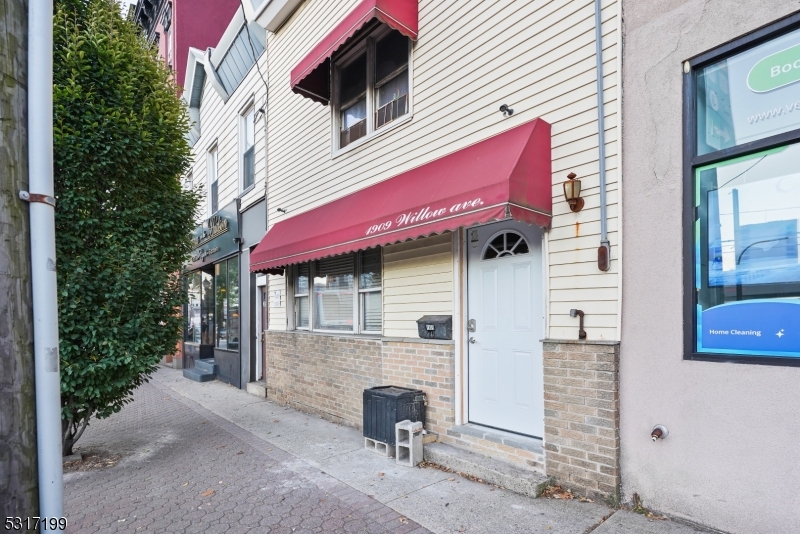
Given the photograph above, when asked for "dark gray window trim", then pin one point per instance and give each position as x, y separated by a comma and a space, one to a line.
690, 161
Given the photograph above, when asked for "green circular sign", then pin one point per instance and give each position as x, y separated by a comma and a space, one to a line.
776, 70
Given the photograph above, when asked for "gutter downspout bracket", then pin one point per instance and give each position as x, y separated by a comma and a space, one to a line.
35, 197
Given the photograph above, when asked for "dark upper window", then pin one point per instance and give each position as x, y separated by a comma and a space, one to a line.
743, 199
213, 181
248, 149
371, 84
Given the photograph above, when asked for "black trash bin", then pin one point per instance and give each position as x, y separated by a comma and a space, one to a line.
384, 406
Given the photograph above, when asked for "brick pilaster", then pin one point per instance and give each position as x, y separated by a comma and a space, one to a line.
581, 401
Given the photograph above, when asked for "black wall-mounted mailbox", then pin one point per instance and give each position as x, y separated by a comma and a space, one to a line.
435, 327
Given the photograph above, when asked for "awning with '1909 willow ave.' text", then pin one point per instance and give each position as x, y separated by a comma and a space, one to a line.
311, 77
505, 176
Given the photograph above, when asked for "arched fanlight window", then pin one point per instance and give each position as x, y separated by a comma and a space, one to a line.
505, 244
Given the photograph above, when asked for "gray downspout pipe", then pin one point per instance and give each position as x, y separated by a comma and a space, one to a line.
605, 248
43, 257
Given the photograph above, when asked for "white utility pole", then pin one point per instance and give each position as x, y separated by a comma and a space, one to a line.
43, 257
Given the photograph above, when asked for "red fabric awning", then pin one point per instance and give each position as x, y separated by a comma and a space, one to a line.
507, 175
311, 77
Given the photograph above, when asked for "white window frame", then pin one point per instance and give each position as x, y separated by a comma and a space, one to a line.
358, 328
360, 292
246, 110
212, 168
296, 309
368, 44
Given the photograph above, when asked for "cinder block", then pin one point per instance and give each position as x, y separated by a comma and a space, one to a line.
379, 447
408, 439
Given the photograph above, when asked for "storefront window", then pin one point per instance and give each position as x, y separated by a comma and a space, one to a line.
749, 96
206, 308
221, 294
233, 303
193, 308
200, 308
748, 270
227, 294
745, 201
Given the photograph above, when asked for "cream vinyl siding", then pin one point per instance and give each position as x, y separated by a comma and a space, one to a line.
417, 281
277, 314
220, 124
471, 56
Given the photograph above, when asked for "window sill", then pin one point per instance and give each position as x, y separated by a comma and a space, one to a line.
377, 133
243, 193
371, 336
376, 336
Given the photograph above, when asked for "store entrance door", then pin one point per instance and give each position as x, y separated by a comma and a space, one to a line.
506, 324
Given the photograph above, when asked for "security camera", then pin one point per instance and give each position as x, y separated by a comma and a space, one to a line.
506, 111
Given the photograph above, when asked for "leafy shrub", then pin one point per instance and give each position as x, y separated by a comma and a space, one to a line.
122, 218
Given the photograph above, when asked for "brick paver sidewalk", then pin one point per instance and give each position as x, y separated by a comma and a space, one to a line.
184, 469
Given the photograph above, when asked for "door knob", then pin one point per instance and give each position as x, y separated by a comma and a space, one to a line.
472, 340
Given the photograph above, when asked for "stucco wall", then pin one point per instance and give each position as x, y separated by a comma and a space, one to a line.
732, 458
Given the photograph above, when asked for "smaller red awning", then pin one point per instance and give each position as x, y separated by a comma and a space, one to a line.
311, 77
508, 175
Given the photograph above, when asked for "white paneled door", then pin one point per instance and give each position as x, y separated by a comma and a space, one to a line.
506, 324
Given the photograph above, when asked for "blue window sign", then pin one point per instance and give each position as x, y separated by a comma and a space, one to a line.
747, 266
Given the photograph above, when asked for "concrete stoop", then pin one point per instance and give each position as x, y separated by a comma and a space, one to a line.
259, 388
505, 475
203, 371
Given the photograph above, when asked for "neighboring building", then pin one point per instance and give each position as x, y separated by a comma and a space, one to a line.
177, 25
416, 158
711, 314
226, 97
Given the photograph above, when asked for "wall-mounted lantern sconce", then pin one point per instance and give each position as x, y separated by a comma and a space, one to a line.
581, 331
572, 192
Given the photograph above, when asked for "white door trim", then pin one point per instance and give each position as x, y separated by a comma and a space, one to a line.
459, 298
462, 355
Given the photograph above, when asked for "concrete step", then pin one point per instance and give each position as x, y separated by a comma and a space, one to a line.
209, 366
493, 471
198, 375
259, 389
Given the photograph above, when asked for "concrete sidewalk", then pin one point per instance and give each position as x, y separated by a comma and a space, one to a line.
437, 500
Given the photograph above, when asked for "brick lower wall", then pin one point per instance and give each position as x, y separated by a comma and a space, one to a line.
429, 367
581, 401
326, 374
323, 374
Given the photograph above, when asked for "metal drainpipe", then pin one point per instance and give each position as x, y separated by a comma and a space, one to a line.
605, 248
43, 257
266, 136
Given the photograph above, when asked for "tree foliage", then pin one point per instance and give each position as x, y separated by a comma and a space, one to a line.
122, 218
